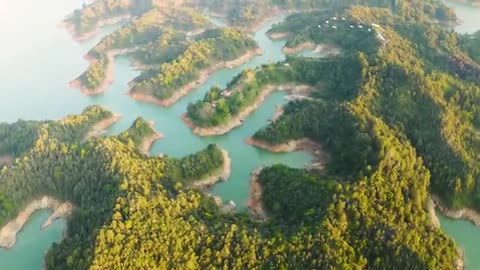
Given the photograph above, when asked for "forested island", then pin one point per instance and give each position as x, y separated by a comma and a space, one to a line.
396, 112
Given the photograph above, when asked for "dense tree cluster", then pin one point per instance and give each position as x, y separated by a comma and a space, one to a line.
19, 137
95, 74
137, 133
470, 43
199, 165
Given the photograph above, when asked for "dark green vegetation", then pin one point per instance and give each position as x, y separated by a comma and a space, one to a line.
208, 49
321, 28
137, 133
19, 137
471, 45
96, 73
242, 13
199, 165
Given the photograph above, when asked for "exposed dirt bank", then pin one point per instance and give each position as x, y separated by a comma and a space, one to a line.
148, 141
255, 203
305, 144
100, 127
299, 48
464, 213
278, 35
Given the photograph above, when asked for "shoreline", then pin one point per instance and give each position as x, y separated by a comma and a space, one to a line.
100, 127
95, 30
236, 120
435, 203
299, 48
462, 213
219, 176
256, 208
278, 35
109, 73
203, 76
150, 140
9, 231
304, 144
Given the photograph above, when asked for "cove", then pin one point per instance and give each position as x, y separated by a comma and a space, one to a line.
38, 79
31, 245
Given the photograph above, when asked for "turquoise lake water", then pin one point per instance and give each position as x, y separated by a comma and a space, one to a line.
38, 59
